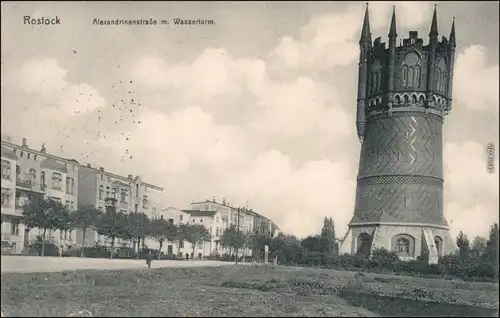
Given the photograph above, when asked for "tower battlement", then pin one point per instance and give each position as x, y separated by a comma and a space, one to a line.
407, 75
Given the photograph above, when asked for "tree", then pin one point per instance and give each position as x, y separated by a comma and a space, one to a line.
113, 224
196, 234
479, 244
312, 243
140, 224
258, 242
463, 244
162, 231
63, 219
84, 218
233, 239
180, 235
42, 214
328, 241
491, 250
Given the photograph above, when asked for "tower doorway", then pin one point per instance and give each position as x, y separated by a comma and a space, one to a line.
364, 244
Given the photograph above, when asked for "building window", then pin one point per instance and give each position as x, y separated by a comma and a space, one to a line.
171, 221
403, 246
123, 195
56, 180
181, 244
5, 197
6, 169
21, 154
405, 76
102, 177
68, 185
34, 157
42, 180
193, 220
180, 217
113, 193
145, 202
107, 192
201, 220
32, 176
18, 172
101, 192
14, 227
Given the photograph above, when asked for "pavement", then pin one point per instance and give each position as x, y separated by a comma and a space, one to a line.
36, 264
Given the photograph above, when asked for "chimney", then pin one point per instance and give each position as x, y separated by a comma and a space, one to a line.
88, 165
25, 142
130, 176
101, 169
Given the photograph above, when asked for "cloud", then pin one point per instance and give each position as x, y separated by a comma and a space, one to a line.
297, 198
182, 140
43, 76
476, 82
331, 39
471, 192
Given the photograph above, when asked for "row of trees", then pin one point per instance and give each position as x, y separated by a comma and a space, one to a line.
48, 214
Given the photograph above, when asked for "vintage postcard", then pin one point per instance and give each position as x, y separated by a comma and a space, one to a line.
249, 158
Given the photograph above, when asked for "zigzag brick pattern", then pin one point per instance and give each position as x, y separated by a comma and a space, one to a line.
400, 177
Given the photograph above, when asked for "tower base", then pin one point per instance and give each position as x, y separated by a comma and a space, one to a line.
409, 241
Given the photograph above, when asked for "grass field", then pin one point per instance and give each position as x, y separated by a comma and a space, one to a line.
241, 291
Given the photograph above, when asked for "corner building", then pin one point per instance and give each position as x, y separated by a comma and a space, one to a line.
404, 94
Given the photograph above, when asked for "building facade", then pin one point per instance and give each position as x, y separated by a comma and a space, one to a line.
132, 195
27, 172
35, 173
404, 94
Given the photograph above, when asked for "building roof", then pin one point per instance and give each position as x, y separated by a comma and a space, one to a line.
6, 153
200, 213
53, 165
73, 161
123, 184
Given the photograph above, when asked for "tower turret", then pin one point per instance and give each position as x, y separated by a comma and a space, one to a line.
365, 43
392, 57
433, 39
451, 58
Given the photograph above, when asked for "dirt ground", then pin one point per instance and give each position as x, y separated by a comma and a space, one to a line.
240, 291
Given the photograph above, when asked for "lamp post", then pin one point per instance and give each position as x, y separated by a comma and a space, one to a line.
237, 235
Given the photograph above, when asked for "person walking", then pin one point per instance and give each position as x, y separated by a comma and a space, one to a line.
149, 259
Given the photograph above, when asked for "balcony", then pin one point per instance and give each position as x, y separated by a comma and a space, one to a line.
28, 185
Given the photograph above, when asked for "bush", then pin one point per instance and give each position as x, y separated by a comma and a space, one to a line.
49, 249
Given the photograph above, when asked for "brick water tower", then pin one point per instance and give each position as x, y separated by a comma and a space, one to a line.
404, 94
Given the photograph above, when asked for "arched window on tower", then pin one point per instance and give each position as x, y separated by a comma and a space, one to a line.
438, 80
376, 76
441, 69
379, 80
411, 70
403, 246
443, 82
405, 76
411, 74
417, 76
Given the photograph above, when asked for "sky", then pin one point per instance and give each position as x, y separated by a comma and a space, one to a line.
258, 108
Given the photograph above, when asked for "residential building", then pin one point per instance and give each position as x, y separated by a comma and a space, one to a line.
131, 193
248, 220
36, 174
12, 229
67, 181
